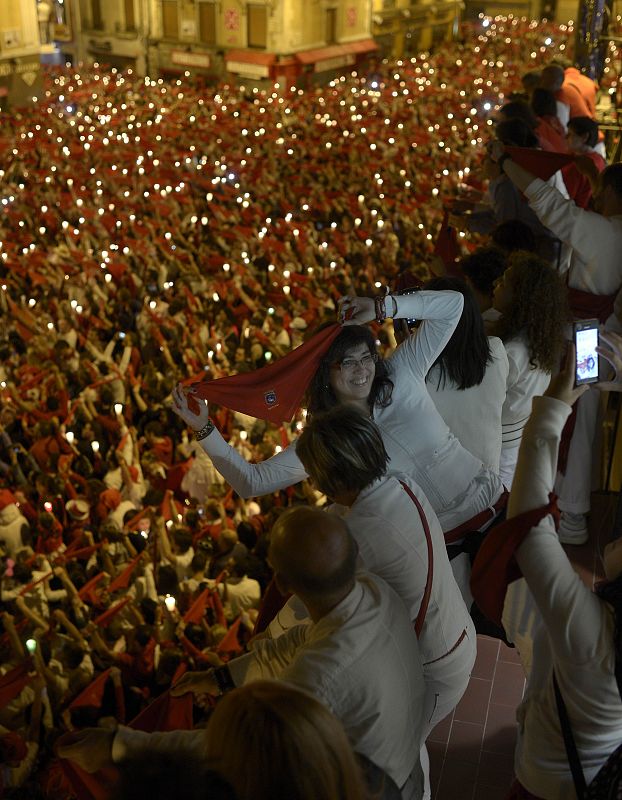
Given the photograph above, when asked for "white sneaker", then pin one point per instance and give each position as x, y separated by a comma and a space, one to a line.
573, 528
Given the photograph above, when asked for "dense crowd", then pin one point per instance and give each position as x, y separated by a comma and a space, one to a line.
152, 231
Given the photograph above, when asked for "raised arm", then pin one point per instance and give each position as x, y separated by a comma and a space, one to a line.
558, 591
249, 480
439, 313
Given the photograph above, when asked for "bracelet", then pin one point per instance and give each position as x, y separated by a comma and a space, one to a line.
381, 311
205, 431
223, 679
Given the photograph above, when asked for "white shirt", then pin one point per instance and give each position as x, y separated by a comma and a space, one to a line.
474, 414
416, 438
574, 631
596, 241
524, 383
361, 660
392, 544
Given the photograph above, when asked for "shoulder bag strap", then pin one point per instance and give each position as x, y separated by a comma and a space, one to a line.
571, 748
428, 581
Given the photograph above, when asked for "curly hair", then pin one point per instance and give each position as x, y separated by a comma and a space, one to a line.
539, 310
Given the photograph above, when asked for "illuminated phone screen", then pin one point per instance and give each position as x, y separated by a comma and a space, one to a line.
587, 357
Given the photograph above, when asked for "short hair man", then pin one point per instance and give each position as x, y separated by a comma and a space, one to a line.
359, 655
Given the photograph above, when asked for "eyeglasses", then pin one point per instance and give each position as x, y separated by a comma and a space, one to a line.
350, 364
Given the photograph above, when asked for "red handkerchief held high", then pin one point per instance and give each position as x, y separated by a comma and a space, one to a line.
273, 392
541, 163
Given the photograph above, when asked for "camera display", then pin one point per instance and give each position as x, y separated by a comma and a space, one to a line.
586, 342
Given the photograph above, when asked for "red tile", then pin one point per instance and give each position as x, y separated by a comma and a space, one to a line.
508, 654
508, 684
486, 661
484, 792
436, 754
500, 733
496, 769
441, 731
457, 781
465, 743
463, 792
473, 707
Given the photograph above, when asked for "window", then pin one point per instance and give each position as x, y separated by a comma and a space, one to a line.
130, 21
96, 15
331, 25
257, 25
170, 22
207, 23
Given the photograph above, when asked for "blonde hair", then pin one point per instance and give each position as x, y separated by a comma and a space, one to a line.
269, 740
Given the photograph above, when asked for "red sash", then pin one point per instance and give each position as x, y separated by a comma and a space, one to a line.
428, 581
495, 567
585, 305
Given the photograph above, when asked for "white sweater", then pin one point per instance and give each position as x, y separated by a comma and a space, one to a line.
418, 441
573, 630
474, 414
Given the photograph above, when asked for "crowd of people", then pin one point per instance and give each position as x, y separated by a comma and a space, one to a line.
158, 547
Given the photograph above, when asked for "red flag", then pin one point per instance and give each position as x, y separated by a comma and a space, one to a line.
13, 681
195, 613
495, 567
103, 620
229, 643
274, 392
92, 695
123, 578
87, 592
166, 713
541, 163
446, 247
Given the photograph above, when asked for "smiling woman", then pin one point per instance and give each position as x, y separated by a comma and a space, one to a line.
393, 391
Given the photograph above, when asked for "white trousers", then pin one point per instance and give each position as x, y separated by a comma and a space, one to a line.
445, 682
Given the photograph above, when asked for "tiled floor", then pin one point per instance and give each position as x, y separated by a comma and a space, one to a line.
471, 752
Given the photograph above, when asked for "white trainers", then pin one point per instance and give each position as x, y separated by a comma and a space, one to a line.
573, 528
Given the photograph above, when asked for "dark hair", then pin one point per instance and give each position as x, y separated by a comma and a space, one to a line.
612, 176
467, 353
320, 395
543, 103
516, 132
183, 539
519, 109
538, 311
342, 450
199, 562
584, 126
483, 267
531, 78
512, 235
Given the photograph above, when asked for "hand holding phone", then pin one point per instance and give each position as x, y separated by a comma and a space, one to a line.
586, 356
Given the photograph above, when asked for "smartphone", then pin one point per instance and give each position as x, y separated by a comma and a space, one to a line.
586, 342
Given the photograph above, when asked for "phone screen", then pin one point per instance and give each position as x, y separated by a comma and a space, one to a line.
586, 340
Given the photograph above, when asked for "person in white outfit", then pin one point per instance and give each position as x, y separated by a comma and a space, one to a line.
575, 631
399, 539
594, 278
467, 382
419, 443
358, 657
531, 299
